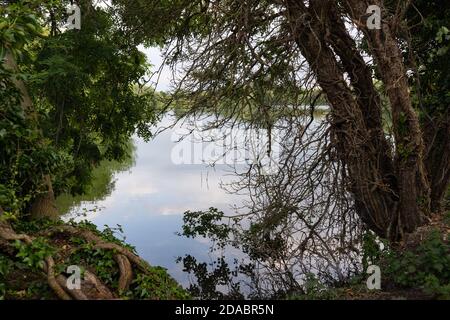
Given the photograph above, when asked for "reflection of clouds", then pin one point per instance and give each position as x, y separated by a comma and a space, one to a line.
149, 200
167, 211
227, 145
156, 186
135, 185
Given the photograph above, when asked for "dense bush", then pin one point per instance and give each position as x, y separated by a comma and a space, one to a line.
426, 267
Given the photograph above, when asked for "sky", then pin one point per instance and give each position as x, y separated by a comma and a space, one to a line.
154, 57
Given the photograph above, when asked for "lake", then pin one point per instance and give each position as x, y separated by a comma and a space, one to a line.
149, 200
169, 177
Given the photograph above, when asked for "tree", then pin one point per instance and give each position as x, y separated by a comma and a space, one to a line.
14, 38
232, 51
68, 101
80, 93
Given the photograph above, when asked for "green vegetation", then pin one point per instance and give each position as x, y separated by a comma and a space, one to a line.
28, 262
83, 104
416, 270
71, 101
102, 183
424, 267
376, 171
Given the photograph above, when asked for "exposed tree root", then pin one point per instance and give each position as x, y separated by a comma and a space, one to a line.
99, 243
7, 233
91, 286
75, 293
52, 282
126, 273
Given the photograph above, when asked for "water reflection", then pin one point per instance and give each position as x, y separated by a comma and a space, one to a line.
149, 200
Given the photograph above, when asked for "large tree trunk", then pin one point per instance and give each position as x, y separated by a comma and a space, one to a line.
413, 185
44, 205
392, 193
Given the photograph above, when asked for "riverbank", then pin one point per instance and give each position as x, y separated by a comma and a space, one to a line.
415, 269
48, 260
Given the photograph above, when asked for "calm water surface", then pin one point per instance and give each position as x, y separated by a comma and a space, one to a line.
149, 200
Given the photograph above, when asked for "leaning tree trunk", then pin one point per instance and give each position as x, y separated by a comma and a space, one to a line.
390, 187
44, 205
413, 182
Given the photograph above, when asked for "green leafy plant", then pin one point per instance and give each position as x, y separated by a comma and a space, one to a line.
156, 285
371, 249
425, 267
34, 254
5, 266
207, 224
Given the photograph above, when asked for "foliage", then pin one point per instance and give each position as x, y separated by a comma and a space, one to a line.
18, 23
431, 45
223, 277
207, 224
156, 283
23, 152
219, 273
5, 266
86, 88
87, 99
212, 278
33, 254
101, 261
371, 249
19, 281
424, 267
87, 84
102, 184
110, 234
315, 290
33, 226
